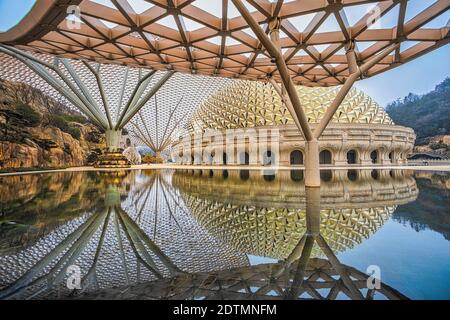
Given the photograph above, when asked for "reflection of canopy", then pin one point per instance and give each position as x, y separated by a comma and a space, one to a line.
268, 218
298, 276
147, 237
263, 281
192, 36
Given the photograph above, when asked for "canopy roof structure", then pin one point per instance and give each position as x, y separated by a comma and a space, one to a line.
213, 38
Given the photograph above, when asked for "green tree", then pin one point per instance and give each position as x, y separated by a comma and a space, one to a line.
428, 115
32, 118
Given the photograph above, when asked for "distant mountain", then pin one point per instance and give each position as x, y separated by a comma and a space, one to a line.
428, 114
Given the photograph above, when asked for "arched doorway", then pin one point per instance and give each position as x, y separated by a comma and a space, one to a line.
269, 176
352, 157
325, 157
374, 174
296, 157
374, 156
352, 175
296, 175
210, 159
244, 158
326, 175
225, 174
224, 158
268, 158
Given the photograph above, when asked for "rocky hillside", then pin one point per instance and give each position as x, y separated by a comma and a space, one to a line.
37, 131
428, 115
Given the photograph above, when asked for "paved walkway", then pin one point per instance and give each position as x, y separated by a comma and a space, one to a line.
235, 167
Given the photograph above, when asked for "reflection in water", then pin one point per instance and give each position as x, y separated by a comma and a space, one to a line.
33, 205
268, 219
137, 236
186, 235
431, 210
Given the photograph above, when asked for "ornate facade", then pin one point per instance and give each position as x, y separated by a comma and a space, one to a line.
360, 132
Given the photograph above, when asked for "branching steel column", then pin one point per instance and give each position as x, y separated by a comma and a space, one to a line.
358, 71
72, 87
138, 106
282, 68
312, 170
71, 93
101, 88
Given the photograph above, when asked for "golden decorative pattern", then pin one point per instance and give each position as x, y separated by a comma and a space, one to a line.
245, 104
274, 232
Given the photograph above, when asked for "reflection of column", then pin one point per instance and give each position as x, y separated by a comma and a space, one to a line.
339, 176
304, 248
312, 210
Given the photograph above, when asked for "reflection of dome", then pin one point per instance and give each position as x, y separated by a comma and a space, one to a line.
253, 104
274, 232
273, 227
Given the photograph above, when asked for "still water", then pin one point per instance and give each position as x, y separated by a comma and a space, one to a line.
224, 234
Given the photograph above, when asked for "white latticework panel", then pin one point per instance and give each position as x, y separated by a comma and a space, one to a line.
166, 115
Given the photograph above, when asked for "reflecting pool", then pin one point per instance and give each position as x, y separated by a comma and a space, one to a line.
225, 234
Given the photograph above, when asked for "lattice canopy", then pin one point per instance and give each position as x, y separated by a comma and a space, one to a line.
211, 37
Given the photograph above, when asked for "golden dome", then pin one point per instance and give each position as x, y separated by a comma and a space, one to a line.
245, 104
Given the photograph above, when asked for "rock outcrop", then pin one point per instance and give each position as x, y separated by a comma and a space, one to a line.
38, 132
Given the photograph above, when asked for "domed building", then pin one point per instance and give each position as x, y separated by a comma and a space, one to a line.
361, 132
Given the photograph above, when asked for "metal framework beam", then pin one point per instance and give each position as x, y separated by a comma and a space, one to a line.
129, 114
282, 68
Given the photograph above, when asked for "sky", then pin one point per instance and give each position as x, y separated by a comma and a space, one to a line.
418, 76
